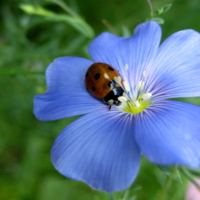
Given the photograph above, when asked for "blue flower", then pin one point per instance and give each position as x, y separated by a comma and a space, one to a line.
102, 148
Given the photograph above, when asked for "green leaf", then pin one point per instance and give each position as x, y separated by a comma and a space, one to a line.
163, 9
165, 169
126, 32
75, 21
132, 198
158, 20
189, 176
135, 187
177, 176
194, 172
132, 188
126, 194
166, 7
159, 11
170, 171
35, 10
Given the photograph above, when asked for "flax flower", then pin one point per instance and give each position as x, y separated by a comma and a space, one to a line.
103, 147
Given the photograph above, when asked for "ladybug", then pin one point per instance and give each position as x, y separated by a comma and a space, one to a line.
99, 80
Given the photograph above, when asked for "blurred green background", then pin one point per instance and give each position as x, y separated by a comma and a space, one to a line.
30, 38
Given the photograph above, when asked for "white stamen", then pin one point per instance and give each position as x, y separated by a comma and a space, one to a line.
140, 86
144, 73
126, 86
137, 104
122, 99
126, 67
110, 102
106, 76
146, 96
118, 79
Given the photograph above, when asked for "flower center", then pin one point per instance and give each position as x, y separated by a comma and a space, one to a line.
135, 108
140, 100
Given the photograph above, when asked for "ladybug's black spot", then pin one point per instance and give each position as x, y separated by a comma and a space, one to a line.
93, 88
96, 76
86, 74
111, 69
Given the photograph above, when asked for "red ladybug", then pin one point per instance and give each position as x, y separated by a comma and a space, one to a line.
99, 80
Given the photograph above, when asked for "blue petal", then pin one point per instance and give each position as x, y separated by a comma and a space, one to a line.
98, 149
137, 51
176, 71
168, 133
67, 94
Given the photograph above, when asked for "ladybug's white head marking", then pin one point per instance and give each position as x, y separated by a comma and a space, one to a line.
106, 76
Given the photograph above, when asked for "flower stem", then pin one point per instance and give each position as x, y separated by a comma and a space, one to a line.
162, 195
189, 177
151, 7
109, 26
126, 195
65, 7
111, 197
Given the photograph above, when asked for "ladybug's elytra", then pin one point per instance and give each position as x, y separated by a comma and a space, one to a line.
99, 80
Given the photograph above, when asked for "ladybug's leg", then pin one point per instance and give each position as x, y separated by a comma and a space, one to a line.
109, 103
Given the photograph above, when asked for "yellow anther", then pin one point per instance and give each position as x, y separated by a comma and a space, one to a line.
126, 67
144, 73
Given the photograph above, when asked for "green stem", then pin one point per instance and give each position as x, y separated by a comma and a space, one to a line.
189, 176
111, 197
151, 7
167, 184
109, 26
66, 8
126, 195
194, 172
23, 73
